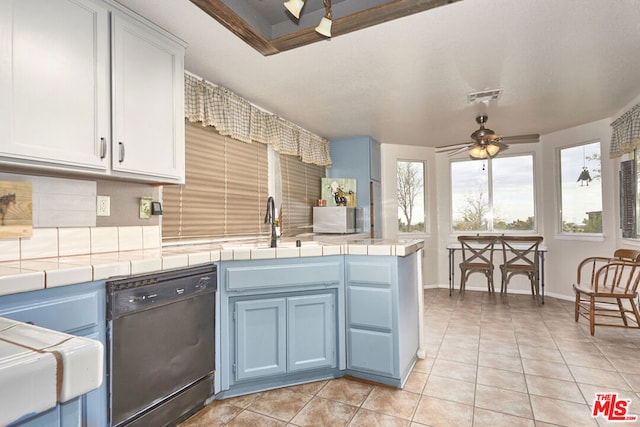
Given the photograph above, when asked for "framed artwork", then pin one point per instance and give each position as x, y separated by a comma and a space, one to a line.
16, 212
339, 191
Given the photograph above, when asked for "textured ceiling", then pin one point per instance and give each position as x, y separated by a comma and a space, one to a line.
559, 63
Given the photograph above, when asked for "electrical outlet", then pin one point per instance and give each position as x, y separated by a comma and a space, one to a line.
103, 205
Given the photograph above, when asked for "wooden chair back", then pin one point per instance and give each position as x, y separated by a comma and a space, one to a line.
617, 278
521, 252
627, 254
477, 251
588, 267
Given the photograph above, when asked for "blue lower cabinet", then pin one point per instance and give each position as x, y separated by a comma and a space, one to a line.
311, 332
77, 310
261, 338
372, 351
284, 335
281, 323
382, 317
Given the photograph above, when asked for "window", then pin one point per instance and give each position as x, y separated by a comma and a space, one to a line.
411, 188
580, 185
301, 187
225, 192
493, 195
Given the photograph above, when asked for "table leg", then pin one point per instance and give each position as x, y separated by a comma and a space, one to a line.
542, 274
451, 273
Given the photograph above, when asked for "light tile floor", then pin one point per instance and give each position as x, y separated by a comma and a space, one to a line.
491, 361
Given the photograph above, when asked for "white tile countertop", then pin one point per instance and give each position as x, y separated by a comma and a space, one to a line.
122, 251
40, 367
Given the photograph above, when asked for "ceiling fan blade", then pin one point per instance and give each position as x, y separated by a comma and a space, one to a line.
453, 147
521, 139
459, 150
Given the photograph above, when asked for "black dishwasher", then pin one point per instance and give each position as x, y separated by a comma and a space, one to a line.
161, 345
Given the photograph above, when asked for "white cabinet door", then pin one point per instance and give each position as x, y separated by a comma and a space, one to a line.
148, 101
54, 80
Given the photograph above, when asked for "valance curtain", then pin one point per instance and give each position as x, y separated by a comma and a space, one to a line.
236, 117
625, 133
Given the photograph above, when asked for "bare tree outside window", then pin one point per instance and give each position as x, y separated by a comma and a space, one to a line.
411, 209
474, 214
496, 195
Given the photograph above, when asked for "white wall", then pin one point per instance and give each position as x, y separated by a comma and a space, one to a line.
390, 154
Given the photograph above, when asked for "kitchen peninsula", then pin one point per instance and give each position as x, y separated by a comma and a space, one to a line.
284, 315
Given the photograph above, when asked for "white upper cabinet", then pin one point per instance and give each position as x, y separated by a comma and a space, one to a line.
54, 80
87, 86
148, 101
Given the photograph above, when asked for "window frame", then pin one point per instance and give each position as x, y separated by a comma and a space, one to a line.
559, 231
489, 165
425, 195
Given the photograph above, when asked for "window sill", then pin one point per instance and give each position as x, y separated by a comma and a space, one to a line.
632, 241
421, 235
580, 237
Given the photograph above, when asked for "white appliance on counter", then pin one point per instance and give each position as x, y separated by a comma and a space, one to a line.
336, 219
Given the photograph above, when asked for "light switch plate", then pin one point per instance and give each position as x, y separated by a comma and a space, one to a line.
103, 206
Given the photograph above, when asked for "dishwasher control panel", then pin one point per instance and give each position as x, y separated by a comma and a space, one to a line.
135, 293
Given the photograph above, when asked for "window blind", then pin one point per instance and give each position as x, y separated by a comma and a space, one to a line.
225, 192
301, 187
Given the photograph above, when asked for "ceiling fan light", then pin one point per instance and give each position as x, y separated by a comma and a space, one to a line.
478, 152
324, 27
492, 149
295, 7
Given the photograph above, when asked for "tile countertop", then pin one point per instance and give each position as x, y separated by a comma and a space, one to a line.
33, 274
40, 367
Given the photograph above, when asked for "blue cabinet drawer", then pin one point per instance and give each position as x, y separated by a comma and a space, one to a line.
64, 313
370, 307
255, 275
371, 351
369, 272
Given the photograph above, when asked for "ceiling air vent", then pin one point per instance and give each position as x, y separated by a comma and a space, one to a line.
484, 96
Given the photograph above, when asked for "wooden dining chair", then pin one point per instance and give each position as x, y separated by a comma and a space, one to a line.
521, 257
477, 257
607, 288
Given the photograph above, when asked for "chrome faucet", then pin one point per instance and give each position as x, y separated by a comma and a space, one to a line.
271, 217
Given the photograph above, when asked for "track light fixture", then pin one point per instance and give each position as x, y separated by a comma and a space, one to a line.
294, 7
324, 27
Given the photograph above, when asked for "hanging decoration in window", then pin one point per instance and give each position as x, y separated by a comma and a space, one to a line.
585, 177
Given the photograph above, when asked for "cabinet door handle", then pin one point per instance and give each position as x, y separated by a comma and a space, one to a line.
103, 147
121, 145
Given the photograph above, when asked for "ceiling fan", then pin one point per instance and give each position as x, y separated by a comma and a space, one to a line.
486, 142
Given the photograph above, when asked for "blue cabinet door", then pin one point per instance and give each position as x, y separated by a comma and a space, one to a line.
77, 310
260, 338
311, 332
